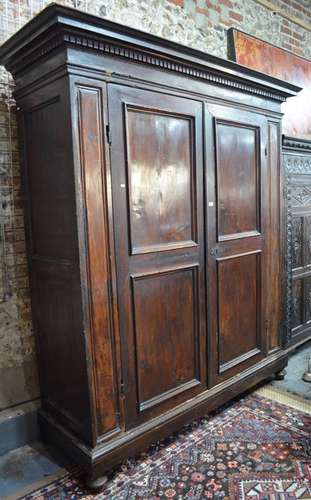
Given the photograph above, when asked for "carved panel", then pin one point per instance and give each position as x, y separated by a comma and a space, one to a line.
297, 241
307, 240
297, 303
307, 299
297, 164
288, 261
301, 196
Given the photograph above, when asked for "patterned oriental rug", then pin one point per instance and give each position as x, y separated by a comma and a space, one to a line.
255, 449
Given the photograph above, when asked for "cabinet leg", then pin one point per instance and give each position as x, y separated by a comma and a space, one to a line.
280, 375
96, 485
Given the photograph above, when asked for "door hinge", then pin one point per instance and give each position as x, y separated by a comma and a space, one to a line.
266, 151
108, 134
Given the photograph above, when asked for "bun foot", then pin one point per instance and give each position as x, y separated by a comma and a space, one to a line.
280, 375
96, 485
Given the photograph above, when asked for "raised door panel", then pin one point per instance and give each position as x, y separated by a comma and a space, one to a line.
166, 358
237, 180
239, 309
160, 180
157, 177
237, 198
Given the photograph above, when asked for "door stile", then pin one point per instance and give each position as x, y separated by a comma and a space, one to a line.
210, 247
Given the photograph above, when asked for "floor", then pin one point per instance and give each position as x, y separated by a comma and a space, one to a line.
20, 469
25, 468
297, 365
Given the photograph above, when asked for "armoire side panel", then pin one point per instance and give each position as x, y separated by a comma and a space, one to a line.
52, 203
57, 293
53, 256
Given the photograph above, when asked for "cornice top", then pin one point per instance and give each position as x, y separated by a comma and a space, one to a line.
296, 144
58, 26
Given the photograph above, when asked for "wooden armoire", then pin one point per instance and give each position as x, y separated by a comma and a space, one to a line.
152, 176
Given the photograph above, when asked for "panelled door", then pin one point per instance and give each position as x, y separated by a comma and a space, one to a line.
157, 178
237, 207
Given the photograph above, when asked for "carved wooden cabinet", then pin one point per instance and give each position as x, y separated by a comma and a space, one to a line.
152, 178
297, 166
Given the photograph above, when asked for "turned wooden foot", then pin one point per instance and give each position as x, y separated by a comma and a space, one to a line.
96, 485
280, 375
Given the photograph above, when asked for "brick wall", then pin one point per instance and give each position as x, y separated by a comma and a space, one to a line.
197, 23
293, 39
296, 8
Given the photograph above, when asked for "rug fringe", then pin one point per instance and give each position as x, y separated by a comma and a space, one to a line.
286, 398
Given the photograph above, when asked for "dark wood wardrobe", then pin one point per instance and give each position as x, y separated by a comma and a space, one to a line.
297, 169
152, 180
